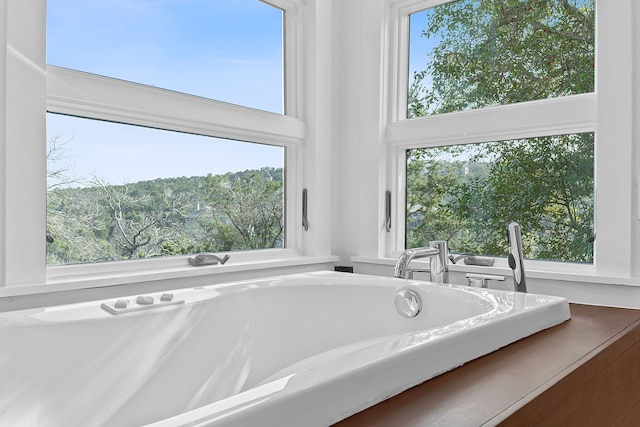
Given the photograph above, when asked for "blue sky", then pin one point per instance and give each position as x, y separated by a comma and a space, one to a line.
122, 154
225, 50
420, 46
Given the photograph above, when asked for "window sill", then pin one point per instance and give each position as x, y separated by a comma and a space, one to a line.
72, 278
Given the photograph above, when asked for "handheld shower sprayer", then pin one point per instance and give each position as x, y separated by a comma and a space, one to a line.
515, 258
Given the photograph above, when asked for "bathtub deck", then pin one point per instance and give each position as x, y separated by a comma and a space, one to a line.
582, 372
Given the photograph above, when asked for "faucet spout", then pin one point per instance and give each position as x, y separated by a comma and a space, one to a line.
437, 252
402, 270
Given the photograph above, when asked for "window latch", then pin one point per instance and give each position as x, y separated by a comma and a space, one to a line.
387, 211
305, 221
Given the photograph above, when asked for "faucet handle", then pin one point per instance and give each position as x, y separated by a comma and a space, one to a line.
475, 279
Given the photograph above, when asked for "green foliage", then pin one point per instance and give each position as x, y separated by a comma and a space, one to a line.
498, 52
467, 197
164, 217
429, 177
253, 202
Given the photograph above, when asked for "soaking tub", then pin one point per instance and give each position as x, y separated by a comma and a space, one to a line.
307, 349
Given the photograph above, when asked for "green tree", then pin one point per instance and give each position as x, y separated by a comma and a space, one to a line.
136, 223
431, 174
97, 221
252, 203
497, 52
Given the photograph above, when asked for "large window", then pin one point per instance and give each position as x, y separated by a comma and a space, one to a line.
143, 91
524, 159
138, 171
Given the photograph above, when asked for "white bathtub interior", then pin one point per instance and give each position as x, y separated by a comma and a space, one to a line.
309, 348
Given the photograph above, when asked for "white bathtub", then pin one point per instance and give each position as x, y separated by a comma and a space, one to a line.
295, 350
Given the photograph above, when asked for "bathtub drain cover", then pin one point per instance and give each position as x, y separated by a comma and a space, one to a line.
408, 303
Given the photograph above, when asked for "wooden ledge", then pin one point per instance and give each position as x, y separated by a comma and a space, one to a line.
585, 371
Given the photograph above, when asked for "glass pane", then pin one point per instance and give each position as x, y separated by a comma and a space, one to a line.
470, 54
231, 51
466, 194
120, 192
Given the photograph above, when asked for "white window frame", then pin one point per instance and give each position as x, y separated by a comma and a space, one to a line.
33, 88
607, 112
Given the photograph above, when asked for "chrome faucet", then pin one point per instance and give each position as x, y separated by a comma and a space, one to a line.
515, 258
437, 252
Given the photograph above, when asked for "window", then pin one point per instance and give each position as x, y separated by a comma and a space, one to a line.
88, 99
469, 54
151, 172
466, 194
492, 53
118, 192
467, 89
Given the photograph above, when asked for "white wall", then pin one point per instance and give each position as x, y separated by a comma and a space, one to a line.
317, 161
24, 134
359, 149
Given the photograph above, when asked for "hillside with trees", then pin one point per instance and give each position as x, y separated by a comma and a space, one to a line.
163, 217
